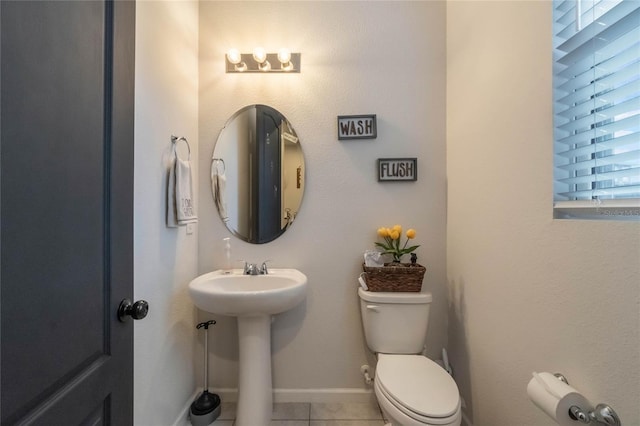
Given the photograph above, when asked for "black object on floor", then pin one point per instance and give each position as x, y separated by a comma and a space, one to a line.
206, 408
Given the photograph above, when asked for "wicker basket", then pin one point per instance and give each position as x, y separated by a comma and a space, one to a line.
395, 277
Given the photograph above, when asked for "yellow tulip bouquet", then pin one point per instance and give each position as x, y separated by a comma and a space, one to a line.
392, 242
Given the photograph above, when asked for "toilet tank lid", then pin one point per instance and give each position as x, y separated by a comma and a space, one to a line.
394, 297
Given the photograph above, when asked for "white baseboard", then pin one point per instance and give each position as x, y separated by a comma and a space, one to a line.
183, 417
306, 395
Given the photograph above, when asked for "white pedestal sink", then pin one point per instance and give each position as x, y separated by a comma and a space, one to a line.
252, 299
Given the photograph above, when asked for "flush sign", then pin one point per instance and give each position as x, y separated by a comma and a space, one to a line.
357, 127
397, 169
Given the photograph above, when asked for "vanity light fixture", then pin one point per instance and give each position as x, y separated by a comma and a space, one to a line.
262, 62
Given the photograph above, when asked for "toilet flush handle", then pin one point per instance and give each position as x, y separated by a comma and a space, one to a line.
373, 308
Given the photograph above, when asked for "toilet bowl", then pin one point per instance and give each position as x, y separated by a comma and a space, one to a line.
411, 389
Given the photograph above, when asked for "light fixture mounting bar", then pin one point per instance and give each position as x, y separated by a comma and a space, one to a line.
252, 66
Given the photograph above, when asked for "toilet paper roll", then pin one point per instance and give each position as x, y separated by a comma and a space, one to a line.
555, 397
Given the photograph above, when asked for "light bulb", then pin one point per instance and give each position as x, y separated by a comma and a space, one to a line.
284, 55
233, 56
259, 55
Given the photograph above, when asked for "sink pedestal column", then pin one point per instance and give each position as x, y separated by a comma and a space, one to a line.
255, 399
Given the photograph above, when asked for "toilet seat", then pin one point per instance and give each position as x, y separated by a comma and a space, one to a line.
419, 388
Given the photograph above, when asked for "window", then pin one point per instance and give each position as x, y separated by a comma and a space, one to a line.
596, 85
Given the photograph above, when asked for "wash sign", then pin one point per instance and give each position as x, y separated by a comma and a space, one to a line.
357, 127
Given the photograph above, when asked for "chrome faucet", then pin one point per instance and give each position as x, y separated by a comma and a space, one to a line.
254, 269
263, 268
250, 268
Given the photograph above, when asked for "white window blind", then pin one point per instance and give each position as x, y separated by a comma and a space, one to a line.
597, 106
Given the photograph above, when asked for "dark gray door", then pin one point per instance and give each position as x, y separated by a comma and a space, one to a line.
66, 211
268, 168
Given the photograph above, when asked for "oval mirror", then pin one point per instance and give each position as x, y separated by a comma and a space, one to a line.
257, 174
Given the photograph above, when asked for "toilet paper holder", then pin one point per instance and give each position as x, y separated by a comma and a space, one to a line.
602, 414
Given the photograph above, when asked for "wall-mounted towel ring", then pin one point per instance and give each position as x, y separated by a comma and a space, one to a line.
176, 139
218, 162
181, 207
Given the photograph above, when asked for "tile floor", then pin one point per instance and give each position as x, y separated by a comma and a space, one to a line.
313, 414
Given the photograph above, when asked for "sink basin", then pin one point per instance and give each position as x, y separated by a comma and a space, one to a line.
237, 295
253, 299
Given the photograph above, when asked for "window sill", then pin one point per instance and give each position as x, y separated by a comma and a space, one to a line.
626, 210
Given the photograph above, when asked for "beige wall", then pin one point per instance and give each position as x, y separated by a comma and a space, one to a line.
384, 58
166, 103
528, 293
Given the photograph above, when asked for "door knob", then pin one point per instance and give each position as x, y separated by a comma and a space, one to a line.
137, 310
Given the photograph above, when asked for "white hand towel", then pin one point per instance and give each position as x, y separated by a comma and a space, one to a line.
172, 221
219, 183
185, 202
222, 202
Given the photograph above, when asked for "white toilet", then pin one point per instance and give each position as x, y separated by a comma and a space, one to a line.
411, 389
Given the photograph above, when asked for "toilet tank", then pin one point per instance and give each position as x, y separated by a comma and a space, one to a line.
395, 323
